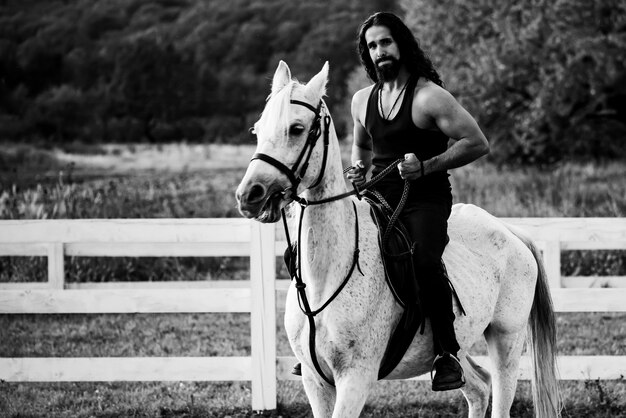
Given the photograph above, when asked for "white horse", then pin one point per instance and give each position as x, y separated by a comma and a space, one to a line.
496, 271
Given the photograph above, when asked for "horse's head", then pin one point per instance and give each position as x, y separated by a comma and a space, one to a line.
289, 157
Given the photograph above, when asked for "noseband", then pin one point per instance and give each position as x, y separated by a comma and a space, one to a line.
297, 172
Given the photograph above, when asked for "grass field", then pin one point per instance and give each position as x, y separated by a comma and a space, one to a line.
229, 334
199, 181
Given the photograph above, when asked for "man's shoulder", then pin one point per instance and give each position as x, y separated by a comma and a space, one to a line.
359, 102
429, 95
426, 89
363, 94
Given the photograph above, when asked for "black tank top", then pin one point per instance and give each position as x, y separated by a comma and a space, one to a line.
394, 138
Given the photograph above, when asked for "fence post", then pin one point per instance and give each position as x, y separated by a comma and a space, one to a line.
263, 316
552, 258
56, 265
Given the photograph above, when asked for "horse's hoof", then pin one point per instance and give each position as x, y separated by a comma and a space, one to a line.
297, 369
448, 373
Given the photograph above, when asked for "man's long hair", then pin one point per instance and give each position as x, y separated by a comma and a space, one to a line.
411, 55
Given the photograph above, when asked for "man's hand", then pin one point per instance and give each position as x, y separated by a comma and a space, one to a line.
410, 168
357, 174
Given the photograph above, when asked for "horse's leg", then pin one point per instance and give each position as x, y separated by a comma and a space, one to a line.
352, 392
505, 349
477, 387
321, 395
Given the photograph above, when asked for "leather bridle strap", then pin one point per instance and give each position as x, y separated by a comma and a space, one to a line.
277, 164
326, 141
298, 171
308, 106
303, 301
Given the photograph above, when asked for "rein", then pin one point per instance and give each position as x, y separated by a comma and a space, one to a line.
295, 175
357, 190
303, 301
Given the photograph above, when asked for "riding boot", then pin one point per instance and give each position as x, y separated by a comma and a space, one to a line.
438, 304
448, 373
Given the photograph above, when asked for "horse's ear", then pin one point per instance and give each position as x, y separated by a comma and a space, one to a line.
317, 85
282, 77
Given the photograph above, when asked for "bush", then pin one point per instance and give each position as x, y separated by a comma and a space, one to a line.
227, 129
14, 128
61, 113
125, 130
165, 132
191, 129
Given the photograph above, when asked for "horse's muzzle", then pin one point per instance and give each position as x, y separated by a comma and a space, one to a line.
257, 201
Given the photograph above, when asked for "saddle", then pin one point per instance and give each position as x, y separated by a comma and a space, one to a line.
397, 255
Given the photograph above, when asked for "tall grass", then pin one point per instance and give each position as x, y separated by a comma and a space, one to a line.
566, 190
153, 182
134, 195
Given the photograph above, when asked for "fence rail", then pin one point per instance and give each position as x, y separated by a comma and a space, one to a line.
261, 296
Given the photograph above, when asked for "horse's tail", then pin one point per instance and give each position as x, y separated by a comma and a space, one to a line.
542, 340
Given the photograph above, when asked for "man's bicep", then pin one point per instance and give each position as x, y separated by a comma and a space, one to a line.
452, 119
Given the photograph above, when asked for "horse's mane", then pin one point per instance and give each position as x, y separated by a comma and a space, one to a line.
275, 116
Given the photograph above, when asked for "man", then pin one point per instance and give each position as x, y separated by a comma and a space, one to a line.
408, 114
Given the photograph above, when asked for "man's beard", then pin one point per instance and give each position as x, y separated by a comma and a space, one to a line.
388, 71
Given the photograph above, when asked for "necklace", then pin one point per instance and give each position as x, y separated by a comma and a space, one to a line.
380, 102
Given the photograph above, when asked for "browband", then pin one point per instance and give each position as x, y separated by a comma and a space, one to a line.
308, 106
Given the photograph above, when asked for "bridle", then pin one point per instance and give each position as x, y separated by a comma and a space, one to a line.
297, 172
295, 175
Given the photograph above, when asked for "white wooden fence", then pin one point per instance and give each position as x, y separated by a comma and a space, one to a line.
258, 296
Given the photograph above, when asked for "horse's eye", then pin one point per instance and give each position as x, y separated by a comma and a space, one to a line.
296, 130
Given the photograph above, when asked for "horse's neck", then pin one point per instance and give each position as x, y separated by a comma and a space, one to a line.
328, 234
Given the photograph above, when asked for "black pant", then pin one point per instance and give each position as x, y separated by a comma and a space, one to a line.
427, 223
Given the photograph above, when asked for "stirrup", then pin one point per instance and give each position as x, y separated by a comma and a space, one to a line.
450, 385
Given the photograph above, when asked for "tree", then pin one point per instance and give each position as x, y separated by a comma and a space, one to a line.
544, 79
168, 62
61, 113
153, 82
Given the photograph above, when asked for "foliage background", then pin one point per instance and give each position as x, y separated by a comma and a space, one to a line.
161, 70
545, 78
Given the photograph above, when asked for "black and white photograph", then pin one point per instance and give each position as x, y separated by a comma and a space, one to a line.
324, 209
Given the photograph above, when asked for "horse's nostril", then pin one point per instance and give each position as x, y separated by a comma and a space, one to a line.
257, 193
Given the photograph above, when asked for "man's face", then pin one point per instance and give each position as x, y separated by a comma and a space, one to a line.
384, 52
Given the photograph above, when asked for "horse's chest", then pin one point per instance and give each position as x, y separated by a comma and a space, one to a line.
340, 328
295, 321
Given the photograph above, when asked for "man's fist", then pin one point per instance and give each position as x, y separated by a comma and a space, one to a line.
357, 174
410, 168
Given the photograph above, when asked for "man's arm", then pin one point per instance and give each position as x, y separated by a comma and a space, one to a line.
362, 145
437, 108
